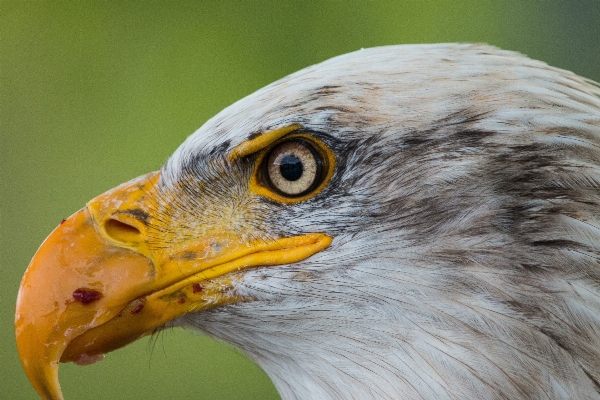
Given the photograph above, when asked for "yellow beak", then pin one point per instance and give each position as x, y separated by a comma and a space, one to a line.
107, 276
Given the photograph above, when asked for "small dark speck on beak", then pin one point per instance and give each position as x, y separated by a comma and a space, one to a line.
196, 288
188, 255
137, 309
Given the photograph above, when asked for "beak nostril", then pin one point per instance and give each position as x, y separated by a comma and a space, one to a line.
121, 231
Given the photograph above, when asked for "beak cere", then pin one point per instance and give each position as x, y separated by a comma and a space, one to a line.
106, 277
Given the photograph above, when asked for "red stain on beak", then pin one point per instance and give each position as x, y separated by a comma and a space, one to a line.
86, 296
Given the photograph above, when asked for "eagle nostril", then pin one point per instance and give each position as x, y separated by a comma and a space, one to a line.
121, 231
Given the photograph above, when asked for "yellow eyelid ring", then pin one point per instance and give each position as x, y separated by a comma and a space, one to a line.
261, 185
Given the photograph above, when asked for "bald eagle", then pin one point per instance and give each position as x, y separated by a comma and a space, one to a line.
406, 222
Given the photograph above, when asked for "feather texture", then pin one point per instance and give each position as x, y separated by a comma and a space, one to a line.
465, 215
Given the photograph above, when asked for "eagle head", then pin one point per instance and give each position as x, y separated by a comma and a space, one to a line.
399, 222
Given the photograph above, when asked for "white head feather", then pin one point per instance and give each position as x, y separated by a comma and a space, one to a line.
466, 222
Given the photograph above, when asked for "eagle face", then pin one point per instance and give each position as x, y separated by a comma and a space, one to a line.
399, 222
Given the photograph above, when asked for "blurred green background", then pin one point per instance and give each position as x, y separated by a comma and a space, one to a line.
94, 93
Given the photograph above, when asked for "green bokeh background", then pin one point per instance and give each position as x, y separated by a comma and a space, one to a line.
95, 93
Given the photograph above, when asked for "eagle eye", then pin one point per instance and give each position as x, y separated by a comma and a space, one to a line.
294, 168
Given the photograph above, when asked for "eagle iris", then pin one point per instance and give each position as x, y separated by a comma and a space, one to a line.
293, 168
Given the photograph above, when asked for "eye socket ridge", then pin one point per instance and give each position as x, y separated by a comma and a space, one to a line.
293, 168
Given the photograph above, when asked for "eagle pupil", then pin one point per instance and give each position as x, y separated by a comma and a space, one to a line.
291, 168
